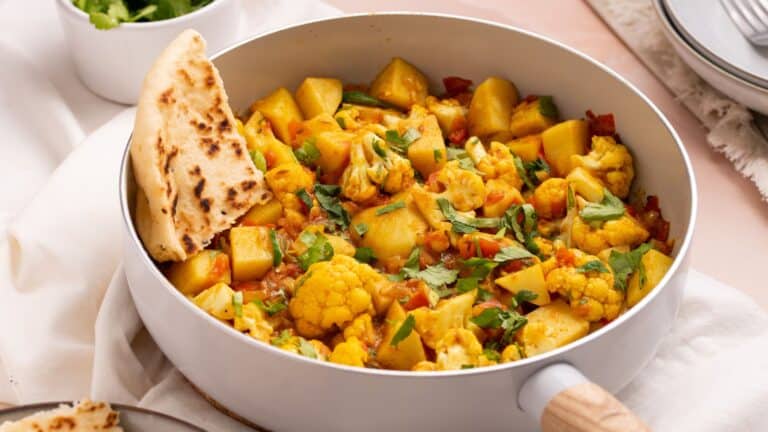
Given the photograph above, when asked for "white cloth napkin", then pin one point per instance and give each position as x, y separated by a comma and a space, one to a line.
68, 326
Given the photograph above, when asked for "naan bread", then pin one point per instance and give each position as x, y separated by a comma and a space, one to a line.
192, 167
86, 416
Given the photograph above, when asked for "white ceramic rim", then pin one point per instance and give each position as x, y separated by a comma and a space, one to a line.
710, 55
666, 21
80, 14
227, 330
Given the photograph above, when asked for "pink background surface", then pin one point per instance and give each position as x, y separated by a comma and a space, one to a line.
729, 242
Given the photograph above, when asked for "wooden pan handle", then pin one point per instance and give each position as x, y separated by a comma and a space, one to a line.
587, 407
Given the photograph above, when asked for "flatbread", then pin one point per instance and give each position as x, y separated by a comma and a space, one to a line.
191, 165
86, 416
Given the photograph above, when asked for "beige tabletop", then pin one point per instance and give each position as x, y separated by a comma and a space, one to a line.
732, 231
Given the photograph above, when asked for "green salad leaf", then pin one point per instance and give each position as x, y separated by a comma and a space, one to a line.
108, 14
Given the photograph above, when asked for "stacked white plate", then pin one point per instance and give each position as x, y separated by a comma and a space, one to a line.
704, 36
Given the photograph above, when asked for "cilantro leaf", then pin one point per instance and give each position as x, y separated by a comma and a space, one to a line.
510, 253
327, 197
467, 284
258, 159
521, 171
531, 168
547, 107
401, 143
594, 265
361, 229
610, 208
270, 308
438, 155
308, 153
342, 123
277, 252
361, 98
304, 197
437, 275
491, 354
625, 263
464, 224
237, 303
307, 349
364, 254
282, 338
481, 267
521, 297
404, 331
318, 249
483, 295
467, 366
390, 208
495, 317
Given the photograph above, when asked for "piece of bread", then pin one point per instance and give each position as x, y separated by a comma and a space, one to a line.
86, 416
193, 168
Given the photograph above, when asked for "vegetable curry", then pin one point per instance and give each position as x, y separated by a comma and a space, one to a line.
417, 232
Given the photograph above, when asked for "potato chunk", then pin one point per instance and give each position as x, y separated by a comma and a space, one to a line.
550, 327
251, 252
334, 148
526, 148
263, 214
282, 112
433, 324
200, 272
317, 96
259, 137
491, 107
217, 301
530, 279
656, 265
408, 352
532, 117
400, 84
311, 128
427, 154
391, 235
562, 141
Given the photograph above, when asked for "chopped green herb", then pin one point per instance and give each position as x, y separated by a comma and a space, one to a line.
571, 200
436, 276
483, 295
496, 317
277, 252
342, 123
491, 354
270, 308
318, 249
625, 263
327, 197
282, 338
592, 266
360, 229
365, 255
467, 366
523, 173
442, 291
390, 208
237, 303
531, 168
521, 297
304, 197
307, 349
481, 267
527, 232
466, 284
377, 148
610, 208
410, 135
404, 300
308, 153
547, 107
454, 153
360, 98
510, 253
464, 224
258, 159
437, 154
401, 143
404, 331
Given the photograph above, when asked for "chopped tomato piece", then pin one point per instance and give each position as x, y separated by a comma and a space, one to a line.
417, 300
489, 248
246, 286
294, 128
455, 85
458, 136
494, 197
601, 124
565, 257
270, 158
515, 265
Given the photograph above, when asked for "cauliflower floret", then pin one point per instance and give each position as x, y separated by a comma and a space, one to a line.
362, 329
354, 182
373, 163
459, 347
610, 162
550, 198
332, 293
351, 352
387, 168
497, 162
463, 188
253, 321
284, 180
591, 292
625, 231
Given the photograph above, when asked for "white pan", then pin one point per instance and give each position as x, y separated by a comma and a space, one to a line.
281, 391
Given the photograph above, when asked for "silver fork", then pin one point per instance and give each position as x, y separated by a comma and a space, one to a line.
750, 17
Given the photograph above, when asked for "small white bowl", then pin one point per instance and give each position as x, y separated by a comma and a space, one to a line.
742, 91
112, 63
